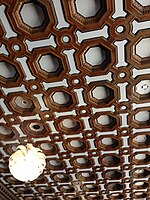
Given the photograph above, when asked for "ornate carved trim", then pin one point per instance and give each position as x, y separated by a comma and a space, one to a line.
6, 194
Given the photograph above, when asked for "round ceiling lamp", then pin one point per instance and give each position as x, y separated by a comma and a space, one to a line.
27, 163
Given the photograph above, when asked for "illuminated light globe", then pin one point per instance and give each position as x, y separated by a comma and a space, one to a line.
27, 163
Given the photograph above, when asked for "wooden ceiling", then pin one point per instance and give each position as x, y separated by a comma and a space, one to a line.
75, 81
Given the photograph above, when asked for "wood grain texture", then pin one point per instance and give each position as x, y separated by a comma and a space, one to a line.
75, 82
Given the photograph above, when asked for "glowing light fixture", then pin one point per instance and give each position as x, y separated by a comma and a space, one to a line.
27, 163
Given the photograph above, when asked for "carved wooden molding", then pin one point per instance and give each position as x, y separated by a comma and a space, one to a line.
75, 82
5, 193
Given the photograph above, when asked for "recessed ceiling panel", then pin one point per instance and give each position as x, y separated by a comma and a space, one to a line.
75, 82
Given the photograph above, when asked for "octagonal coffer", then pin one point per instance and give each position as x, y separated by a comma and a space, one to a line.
141, 158
85, 14
22, 104
87, 10
35, 129
47, 147
56, 164
50, 63
115, 186
143, 117
141, 140
61, 177
70, 125
4, 167
143, 87
117, 196
32, 14
141, 8
141, 48
94, 196
81, 162
144, 2
111, 160
24, 190
86, 176
72, 197
7, 70
141, 52
32, 18
47, 64
105, 122
90, 187
67, 188
10, 148
141, 173
142, 90
140, 195
107, 143
12, 180
62, 99
140, 185
76, 145
45, 189
101, 94
6, 133
113, 174
97, 57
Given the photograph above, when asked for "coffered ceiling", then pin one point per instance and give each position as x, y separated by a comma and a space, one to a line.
75, 82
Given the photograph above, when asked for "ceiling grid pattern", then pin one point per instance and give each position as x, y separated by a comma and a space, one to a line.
75, 82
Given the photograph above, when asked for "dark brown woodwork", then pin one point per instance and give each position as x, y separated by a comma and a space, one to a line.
88, 109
